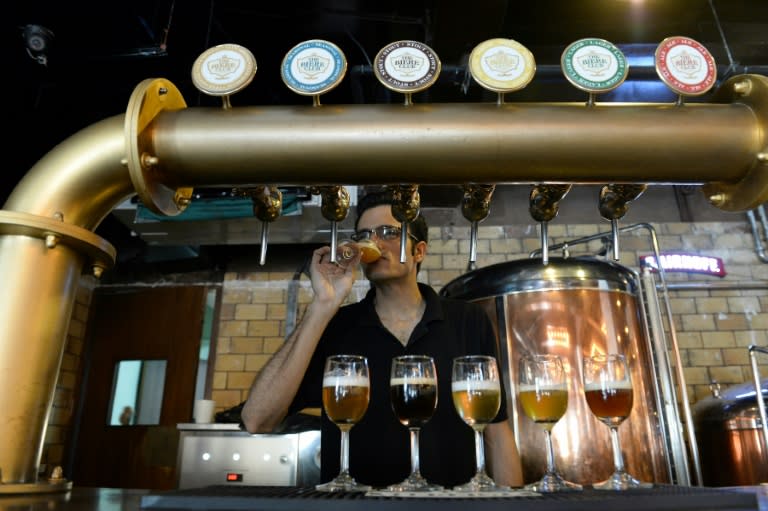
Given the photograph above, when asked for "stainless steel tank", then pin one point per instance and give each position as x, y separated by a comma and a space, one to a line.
730, 437
574, 307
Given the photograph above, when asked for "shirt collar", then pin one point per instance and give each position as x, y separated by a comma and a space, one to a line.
432, 311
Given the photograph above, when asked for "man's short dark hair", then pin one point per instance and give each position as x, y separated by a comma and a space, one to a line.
417, 227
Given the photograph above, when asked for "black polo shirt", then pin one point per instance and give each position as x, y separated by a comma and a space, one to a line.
379, 445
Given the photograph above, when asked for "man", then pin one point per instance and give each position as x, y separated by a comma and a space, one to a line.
398, 316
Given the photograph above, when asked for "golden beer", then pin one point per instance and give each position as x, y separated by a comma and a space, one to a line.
610, 403
476, 401
345, 398
545, 405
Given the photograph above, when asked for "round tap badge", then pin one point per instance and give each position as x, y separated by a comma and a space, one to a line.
501, 65
594, 65
223, 70
685, 66
407, 66
313, 67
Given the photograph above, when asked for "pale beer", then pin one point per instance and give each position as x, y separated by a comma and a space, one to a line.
345, 398
545, 404
413, 400
477, 401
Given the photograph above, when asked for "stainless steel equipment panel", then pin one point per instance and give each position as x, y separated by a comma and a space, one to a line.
212, 455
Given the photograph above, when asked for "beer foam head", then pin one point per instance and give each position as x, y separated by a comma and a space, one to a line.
351, 380
412, 380
474, 385
608, 385
542, 387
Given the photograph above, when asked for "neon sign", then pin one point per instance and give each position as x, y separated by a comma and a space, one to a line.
688, 263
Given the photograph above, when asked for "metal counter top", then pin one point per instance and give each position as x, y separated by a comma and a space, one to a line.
674, 498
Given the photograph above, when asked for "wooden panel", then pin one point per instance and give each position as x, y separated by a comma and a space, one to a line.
163, 323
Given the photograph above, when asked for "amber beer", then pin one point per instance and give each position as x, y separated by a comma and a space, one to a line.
477, 401
610, 402
413, 400
546, 404
345, 398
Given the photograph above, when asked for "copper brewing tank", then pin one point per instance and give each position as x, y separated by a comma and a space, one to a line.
730, 437
574, 307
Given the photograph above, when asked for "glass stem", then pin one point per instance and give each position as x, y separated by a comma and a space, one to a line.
618, 459
344, 450
550, 453
414, 450
479, 451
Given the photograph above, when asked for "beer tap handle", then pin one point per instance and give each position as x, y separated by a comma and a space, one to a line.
472, 245
405, 208
543, 205
334, 232
475, 206
614, 202
263, 249
334, 205
544, 242
267, 207
615, 238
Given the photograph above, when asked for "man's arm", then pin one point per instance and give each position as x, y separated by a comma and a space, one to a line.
501, 454
276, 385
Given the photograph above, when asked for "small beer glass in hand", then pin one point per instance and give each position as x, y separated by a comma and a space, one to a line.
348, 249
476, 392
413, 392
543, 395
346, 392
608, 390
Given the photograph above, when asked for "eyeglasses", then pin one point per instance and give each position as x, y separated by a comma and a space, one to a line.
382, 232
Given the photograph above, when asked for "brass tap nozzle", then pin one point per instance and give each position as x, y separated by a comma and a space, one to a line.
615, 198
543, 202
267, 201
407, 202
335, 201
476, 203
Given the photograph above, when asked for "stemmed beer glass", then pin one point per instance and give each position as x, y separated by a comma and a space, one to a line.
543, 395
608, 390
413, 392
476, 392
346, 392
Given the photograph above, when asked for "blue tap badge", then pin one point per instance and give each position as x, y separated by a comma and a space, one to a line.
313, 67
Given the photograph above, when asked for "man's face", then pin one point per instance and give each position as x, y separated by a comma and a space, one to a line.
389, 265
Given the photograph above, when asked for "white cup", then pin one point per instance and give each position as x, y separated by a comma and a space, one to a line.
203, 411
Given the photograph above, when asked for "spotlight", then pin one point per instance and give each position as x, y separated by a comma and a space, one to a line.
37, 39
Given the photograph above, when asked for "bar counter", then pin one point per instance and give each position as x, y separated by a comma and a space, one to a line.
234, 498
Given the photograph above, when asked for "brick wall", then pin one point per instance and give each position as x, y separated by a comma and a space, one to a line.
66, 394
714, 326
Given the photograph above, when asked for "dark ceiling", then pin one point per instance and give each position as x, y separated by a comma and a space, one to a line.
95, 53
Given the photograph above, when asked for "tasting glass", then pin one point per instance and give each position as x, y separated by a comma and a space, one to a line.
476, 393
346, 392
608, 390
413, 393
346, 250
543, 394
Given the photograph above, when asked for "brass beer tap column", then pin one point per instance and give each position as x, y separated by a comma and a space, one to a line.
543, 204
475, 206
405, 209
614, 203
334, 206
267, 206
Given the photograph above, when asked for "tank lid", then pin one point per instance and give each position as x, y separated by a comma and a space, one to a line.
528, 275
734, 406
